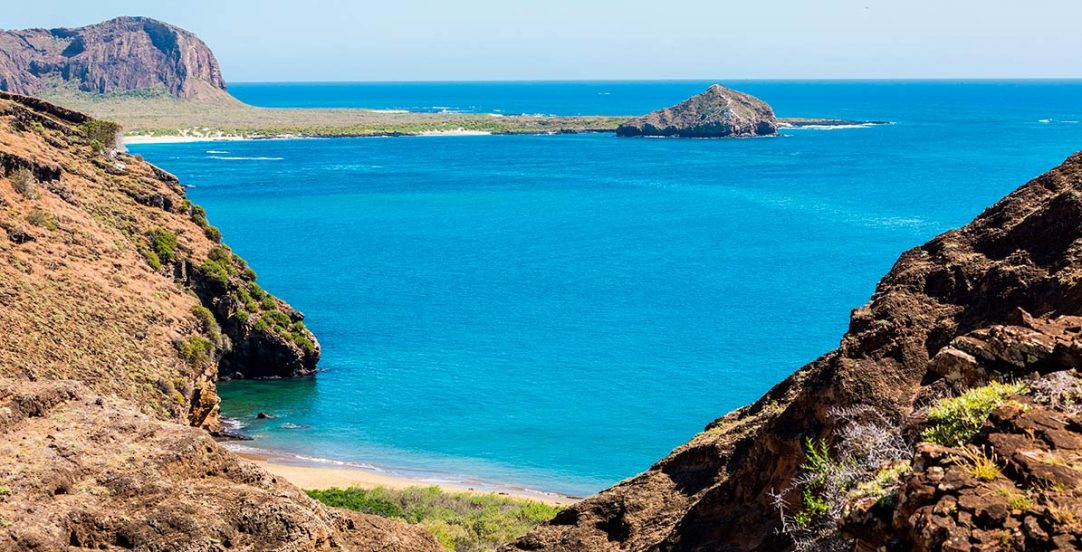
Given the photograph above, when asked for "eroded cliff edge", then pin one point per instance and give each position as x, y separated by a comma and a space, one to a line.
119, 308
112, 277
1018, 265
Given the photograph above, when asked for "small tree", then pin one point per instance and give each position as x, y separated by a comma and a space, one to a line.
102, 135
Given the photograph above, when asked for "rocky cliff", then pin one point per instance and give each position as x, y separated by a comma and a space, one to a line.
125, 54
112, 277
717, 113
120, 307
982, 303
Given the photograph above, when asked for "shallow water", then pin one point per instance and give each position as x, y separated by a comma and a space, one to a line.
559, 312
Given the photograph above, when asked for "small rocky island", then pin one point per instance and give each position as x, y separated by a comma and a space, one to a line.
719, 112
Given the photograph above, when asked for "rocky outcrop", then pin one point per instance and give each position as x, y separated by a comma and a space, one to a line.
125, 54
717, 113
713, 493
1027, 502
119, 308
110, 276
86, 471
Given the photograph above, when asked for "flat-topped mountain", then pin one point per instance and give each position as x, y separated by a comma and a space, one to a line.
125, 54
716, 113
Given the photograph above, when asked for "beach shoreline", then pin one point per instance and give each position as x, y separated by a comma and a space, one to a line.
313, 475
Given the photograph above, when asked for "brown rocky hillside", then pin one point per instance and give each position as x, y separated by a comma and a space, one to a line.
119, 308
985, 302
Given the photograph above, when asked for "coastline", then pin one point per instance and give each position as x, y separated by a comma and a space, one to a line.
314, 475
784, 123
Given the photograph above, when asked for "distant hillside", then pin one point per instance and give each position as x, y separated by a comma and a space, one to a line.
126, 54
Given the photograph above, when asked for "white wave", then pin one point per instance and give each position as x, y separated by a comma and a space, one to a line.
1044, 121
830, 127
318, 460
223, 158
217, 152
233, 424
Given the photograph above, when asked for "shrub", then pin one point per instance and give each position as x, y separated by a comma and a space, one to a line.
220, 253
867, 459
459, 521
25, 183
207, 323
261, 325
151, 258
195, 349
213, 233
301, 340
955, 421
164, 244
277, 318
215, 272
42, 218
102, 135
257, 291
269, 303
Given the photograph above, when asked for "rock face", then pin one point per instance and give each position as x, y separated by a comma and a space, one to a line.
109, 276
120, 55
713, 493
119, 308
89, 472
717, 113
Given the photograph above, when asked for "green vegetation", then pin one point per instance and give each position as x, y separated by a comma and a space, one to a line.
818, 464
1015, 500
164, 244
462, 522
885, 481
979, 463
195, 349
214, 271
955, 421
207, 323
151, 258
25, 183
163, 115
199, 216
101, 134
43, 218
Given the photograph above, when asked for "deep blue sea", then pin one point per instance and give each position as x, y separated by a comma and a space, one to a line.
558, 312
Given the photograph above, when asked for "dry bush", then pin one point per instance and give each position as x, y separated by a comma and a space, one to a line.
866, 459
25, 183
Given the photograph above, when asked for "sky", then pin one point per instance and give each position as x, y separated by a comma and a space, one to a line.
405, 40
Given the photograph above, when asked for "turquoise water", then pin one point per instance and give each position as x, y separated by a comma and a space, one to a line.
558, 312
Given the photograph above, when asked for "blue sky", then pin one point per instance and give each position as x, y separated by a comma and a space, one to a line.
271, 40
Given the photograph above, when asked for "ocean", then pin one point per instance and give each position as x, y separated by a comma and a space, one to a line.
559, 312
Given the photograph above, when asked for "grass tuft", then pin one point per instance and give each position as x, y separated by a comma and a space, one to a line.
462, 522
955, 421
979, 463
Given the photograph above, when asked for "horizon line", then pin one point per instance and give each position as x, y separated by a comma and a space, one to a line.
665, 80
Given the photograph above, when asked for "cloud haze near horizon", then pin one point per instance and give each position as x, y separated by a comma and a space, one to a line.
338, 40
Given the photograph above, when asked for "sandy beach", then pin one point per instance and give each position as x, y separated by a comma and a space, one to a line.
311, 476
143, 139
